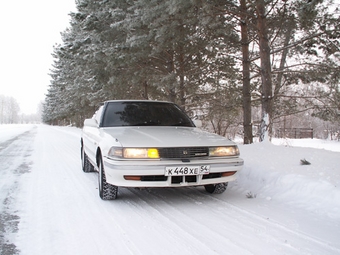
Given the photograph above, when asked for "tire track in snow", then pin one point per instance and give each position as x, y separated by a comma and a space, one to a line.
189, 216
275, 229
53, 195
62, 206
173, 206
14, 155
156, 227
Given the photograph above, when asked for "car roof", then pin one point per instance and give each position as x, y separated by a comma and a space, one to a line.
136, 100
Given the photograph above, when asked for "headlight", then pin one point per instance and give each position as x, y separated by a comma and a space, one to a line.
140, 153
224, 151
134, 153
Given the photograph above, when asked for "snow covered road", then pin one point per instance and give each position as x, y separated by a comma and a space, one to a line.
13, 157
49, 206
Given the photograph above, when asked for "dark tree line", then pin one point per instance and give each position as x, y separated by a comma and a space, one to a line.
219, 60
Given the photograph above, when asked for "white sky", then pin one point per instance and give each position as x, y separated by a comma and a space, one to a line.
28, 30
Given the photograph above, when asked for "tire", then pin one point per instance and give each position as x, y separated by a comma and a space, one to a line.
85, 163
107, 191
216, 188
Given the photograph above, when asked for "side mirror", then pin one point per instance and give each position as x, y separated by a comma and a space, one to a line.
90, 123
198, 123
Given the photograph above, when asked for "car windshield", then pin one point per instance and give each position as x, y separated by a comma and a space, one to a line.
144, 114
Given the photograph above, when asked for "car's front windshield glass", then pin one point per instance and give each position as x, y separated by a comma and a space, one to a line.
144, 114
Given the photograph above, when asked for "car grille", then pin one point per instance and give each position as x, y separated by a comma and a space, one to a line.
183, 152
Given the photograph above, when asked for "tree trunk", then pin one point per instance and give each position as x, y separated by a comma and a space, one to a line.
278, 85
181, 79
247, 122
171, 69
266, 75
145, 93
181, 67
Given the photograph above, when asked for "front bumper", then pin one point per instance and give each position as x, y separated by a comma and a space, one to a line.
151, 173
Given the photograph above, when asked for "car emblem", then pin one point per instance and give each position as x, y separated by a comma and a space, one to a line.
185, 152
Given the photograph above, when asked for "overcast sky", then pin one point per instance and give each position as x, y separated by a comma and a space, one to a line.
28, 30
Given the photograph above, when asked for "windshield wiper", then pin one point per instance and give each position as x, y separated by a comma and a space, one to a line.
146, 123
182, 124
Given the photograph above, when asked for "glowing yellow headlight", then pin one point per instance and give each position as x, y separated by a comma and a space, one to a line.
153, 153
223, 151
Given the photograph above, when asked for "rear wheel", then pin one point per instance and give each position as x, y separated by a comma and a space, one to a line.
107, 191
216, 188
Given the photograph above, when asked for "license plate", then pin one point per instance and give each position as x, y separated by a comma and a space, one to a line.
186, 170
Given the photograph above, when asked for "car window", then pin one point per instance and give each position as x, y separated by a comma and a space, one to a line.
144, 114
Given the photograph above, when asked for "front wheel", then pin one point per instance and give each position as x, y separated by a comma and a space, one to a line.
85, 162
107, 191
216, 188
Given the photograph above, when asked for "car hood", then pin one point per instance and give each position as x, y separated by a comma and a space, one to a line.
164, 137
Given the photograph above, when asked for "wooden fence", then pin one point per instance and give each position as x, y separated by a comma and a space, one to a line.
295, 133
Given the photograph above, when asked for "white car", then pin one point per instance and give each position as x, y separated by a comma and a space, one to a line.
144, 143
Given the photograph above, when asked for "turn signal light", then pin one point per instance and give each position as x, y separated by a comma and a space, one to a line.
225, 174
132, 178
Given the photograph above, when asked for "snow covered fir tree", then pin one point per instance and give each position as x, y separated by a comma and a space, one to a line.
230, 63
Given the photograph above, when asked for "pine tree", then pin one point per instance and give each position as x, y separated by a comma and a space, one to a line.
191, 52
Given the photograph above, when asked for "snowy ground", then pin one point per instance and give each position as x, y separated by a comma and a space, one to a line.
49, 206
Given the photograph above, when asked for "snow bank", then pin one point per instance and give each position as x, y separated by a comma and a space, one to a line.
309, 143
275, 173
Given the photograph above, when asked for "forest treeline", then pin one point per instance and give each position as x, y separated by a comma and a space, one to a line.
246, 66
10, 112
